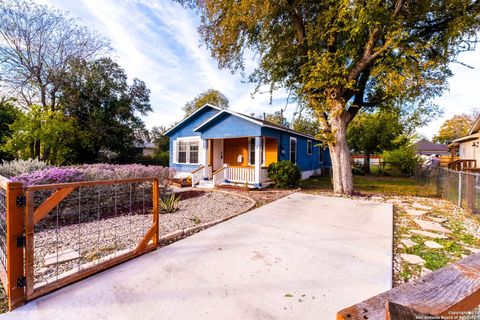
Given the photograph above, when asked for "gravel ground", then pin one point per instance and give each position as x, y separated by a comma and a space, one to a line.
463, 240
101, 238
265, 196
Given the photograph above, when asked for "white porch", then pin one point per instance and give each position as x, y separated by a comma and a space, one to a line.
216, 171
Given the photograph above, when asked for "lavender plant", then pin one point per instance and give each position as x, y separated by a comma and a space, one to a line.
17, 167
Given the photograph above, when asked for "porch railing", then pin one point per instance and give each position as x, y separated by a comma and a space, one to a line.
462, 164
241, 174
219, 176
208, 171
197, 175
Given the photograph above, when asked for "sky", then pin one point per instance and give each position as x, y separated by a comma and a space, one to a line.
157, 42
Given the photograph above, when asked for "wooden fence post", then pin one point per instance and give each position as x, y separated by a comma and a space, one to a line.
15, 253
155, 198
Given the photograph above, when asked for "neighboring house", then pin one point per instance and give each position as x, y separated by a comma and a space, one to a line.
216, 146
467, 148
375, 159
146, 149
424, 147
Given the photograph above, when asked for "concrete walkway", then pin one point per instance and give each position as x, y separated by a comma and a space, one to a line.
301, 257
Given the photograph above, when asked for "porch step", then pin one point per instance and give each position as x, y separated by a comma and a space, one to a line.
206, 184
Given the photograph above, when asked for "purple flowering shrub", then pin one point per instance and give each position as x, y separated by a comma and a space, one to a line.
50, 175
92, 172
104, 171
84, 202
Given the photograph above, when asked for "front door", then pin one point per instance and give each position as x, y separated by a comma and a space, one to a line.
217, 154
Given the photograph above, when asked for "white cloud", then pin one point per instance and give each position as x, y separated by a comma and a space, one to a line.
157, 41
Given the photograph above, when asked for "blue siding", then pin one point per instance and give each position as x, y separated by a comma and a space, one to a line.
186, 130
230, 126
304, 161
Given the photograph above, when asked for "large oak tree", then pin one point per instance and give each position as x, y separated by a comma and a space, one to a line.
342, 55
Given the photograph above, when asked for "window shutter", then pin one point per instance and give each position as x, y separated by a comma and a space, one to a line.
174, 151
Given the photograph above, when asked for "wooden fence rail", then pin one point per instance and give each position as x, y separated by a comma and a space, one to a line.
25, 207
446, 292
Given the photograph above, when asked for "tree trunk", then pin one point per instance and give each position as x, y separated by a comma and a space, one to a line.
340, 155
366, 162
32, 150
37, 149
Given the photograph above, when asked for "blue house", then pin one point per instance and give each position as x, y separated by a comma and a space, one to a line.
216, 146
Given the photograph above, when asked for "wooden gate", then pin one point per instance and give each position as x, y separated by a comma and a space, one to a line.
74, 230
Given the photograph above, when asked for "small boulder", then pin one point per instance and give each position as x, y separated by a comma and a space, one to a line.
472, 250
408, 243
432, 245
431, 226
420, 206
412, 259
415, 212
436, 219
425, 271
428, 234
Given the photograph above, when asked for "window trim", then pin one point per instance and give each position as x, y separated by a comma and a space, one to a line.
309, 147
187, 140
264, 145
290, 149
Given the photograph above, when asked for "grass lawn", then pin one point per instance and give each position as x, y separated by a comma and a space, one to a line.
371, 185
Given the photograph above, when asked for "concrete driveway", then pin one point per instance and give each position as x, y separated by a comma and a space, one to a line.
301, 257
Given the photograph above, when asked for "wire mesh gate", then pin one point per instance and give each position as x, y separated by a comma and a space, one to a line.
70, 231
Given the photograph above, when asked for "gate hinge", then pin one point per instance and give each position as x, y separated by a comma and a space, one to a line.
21, 240
21, 282
21, 200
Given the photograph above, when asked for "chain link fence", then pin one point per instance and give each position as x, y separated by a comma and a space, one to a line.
459, 187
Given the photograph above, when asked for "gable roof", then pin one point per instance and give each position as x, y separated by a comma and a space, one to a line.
257, 121
425, 145
475, 127
207, 105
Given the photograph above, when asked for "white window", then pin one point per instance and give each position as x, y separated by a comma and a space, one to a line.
293, 150
187, 150
194, 151
182, 152
309, 147
251, 151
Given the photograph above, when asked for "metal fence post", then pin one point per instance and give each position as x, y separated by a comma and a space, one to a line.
156, 196
15, 239
459, 189
470, 191
438, 182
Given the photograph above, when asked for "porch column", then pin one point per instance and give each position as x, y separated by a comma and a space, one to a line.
258, 160
205, 157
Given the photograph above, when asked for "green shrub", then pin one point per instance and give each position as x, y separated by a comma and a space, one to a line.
357, 168
284, 174
169, 203
162, 158
403, 158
